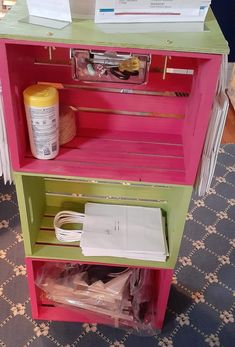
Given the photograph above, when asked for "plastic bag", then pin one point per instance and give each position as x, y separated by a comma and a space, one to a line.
123, 295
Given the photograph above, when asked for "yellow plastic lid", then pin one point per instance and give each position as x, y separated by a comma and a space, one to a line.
40, 95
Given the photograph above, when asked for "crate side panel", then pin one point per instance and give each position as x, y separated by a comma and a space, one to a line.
31, 200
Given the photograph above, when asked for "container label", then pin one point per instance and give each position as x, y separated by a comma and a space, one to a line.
44, 130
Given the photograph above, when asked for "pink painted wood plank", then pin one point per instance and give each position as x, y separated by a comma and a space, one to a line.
100, 47
155, 82
123, 160
33, 292
118, 146
165, 279
117, 122
117, 161
67, 168
125, 102
132, 136
16, 145
155, 79
199, 112
69, 315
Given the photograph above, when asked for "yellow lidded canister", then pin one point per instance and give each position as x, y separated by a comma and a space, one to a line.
42, 112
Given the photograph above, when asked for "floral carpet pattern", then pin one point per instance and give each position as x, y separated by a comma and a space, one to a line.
201, 307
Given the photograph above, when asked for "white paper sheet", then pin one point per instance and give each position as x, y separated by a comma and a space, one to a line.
52, 9
212, 143
153, 5
123, 231
107, 12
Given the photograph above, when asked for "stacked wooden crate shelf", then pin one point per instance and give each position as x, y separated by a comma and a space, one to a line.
43, 197
150, 133
135, 145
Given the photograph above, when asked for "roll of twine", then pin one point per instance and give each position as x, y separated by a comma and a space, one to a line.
67, 129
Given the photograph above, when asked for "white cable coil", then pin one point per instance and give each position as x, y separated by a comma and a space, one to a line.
68, 217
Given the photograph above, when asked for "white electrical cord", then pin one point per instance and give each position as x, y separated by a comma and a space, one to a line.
67, 217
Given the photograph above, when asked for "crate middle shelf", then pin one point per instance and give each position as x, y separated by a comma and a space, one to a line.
40, 198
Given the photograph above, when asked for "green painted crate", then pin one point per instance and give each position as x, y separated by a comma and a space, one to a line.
40, 198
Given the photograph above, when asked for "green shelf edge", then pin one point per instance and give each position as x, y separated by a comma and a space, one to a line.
86, 32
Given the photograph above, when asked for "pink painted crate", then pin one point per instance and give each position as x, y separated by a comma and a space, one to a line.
44, 309
152, 132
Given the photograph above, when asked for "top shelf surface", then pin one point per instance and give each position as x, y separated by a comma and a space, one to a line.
86, 32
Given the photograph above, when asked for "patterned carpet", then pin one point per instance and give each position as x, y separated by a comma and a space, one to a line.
201, 305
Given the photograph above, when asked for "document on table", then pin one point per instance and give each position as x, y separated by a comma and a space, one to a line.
158, 6
49, 13
129, 11
53, 9
124, 231
212, 143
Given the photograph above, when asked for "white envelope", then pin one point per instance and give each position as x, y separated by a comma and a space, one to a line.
108, 11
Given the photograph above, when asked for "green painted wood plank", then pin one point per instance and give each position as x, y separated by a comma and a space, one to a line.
51, 211
89, 189
98, 180
77, 204
47, 222
85, 32
31, 203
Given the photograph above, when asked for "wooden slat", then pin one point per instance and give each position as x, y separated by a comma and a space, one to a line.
47, 222
68, 168
106, 188
137, 136
155, 82
119, 161
168, 123
99, 145
127, 102
118, 155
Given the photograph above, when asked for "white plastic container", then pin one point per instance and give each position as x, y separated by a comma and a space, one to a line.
42, 112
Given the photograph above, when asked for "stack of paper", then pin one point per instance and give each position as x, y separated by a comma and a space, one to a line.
129, 11
5, 168
214, 133
212, 143
124, 231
